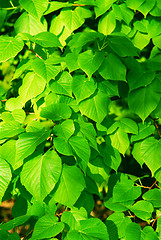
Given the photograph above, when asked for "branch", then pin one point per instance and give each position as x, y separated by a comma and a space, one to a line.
31, 50
78, 5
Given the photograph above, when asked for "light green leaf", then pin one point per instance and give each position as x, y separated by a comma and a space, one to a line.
151, 153
18, 221
157, 40
89, 62
109, 66
65, 129
62, 146
81, 149
26, 145
46, 39
83, 87
71, 185
47, 227
91, 229
145, 130
32, 86
134, 4
56, 111
8, 152
143, 101
34, 7
40, 174
10, 129
141, 40
101, 6
133, 231
153, 196
28, 24
54, 6
71, 60
107, 23
142, 209
96, 107
19, 115
149, 233
63, 85
14, 103
128, 125
9, 47
123, 13
146, 6
5, 177
120, 141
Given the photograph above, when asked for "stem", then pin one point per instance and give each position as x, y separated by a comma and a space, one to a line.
4, 100
153, 184
155, 221
31, 50
11, 8
78, 5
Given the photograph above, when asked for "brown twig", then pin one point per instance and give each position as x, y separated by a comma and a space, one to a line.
153, 184
31, 50
78, 5
4, 100
154, 221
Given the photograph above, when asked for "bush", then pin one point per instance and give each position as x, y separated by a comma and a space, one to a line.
80, 120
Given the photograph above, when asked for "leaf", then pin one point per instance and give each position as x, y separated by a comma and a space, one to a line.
44, 69
89, 62
34, 7
143, 101
19, 115
91, 229
62, 146
107, 23
142, 209
47, 227
146, 6
14, 103
26, 145
109, 66
121, 45
5, 177
83, 87
46, 39
71, 60
40, 174
120, 141
63, 85
56, 111
128, 125
153, 196
123, 13
145, 130
133, 231
65, 129
8, 152
10, 47
150, 151
101, 6
54, 6
32, 86
81, 150
26, 23
70, 187
96, 107
10, 129
19, 221
134, 4
141, 40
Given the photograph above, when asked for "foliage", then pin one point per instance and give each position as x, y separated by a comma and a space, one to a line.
80, 99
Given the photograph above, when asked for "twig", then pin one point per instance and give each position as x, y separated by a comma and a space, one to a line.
78, 5
4, 100
155, 221
153, 184
31, 50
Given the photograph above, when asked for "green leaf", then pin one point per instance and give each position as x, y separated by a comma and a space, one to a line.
156, 41
19, 115
143, 101
116, 224
150, 151
89, 62
8, 152
107, 23
10, 129
96, 107
19, 221
10, 47
123, 13
142, 209
40, 174
109, 66
62, 146
26, 145
14, 103
34, 7
71, 60
101, 6
120, 141
128, 125
149, 233
47, 227
65, 129
46, 39
54, 6
146, 6
63, 85
83, 87
5, 177
28, 24
44, 69
141, 40
134, 4
121, 45
71, 185
56, 111
133, 231
81, 149
91, 229
145, 130
124, 190
32, 86
153, 196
